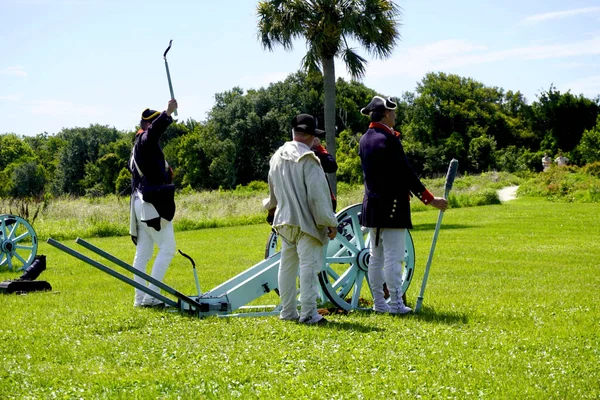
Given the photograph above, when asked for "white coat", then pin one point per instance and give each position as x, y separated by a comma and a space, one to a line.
299, 190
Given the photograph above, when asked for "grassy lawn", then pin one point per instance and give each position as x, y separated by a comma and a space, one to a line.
511, 311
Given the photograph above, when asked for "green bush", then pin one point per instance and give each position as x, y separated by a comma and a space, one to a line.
589, 146
106, 229
123, 183
482, 197
592, 169
571, 184
253, 187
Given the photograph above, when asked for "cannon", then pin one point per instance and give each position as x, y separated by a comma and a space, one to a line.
18, 243
346, 261
343, 277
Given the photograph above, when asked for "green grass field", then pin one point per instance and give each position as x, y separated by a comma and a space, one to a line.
511, 311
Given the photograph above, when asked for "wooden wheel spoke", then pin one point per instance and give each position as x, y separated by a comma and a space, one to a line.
357, 288
343, 279
347, 244
21, 237
341, 260
12, 232
331, 272
18, 256
360, 240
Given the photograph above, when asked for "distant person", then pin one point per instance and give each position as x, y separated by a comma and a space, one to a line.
152, 201
328, 164
546, 162
561, 160
300, 204
389, 179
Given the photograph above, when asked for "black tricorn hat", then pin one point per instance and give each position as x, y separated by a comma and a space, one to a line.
150, 115
308, 124
378, 104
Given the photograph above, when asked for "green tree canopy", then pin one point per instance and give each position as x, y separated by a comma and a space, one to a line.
82, 145
328, 26
561, 118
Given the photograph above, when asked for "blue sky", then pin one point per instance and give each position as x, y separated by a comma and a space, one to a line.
67, 63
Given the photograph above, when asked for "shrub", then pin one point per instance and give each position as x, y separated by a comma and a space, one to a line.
95, 191
482, 153
592, 169
482, 197
569, 184
589, 146
123, 183
253, 187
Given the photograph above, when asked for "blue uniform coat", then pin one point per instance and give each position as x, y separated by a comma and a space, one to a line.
389, 179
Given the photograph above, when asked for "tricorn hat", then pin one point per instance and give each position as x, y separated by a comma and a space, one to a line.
150, 115
378, 104
308, 124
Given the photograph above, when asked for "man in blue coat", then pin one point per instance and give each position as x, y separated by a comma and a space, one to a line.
389, 181
152, 201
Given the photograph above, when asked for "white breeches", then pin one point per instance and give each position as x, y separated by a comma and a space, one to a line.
304, 252
146, 238
385, 264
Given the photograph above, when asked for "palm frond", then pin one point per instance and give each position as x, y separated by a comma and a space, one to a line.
355, 64
374, 24
280, 22
311, 62
325, 24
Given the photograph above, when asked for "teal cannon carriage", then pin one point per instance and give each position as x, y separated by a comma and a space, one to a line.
18, 243
343, 277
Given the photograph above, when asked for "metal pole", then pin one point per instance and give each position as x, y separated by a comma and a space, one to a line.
449, 181
195, 273
112, 273
141, 274
168, 74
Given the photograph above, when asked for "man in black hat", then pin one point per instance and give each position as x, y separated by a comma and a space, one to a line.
303, 218
152, 201
389, 181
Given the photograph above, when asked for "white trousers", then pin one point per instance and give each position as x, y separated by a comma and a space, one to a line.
385, 265
146, 238
304, 252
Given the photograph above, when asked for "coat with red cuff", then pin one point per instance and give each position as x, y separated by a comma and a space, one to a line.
389, 180
329, 166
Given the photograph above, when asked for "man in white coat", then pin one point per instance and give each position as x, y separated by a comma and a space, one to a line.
300, 203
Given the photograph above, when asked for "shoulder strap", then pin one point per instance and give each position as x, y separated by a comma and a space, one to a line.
133, 163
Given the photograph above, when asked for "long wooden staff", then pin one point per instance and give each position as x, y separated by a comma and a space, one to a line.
449, 181
168, 74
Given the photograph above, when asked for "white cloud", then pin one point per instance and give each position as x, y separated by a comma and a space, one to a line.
416, 61
15, 71
451, 54
576, 65
14, 97
589, 86
534, 19
59, 107
50, 2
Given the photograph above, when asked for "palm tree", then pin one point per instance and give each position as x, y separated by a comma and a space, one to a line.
327, 25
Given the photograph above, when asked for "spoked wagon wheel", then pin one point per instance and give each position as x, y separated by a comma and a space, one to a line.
345, 271
273, 245
18, 243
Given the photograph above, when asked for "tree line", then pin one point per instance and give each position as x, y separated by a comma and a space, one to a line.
447, 116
